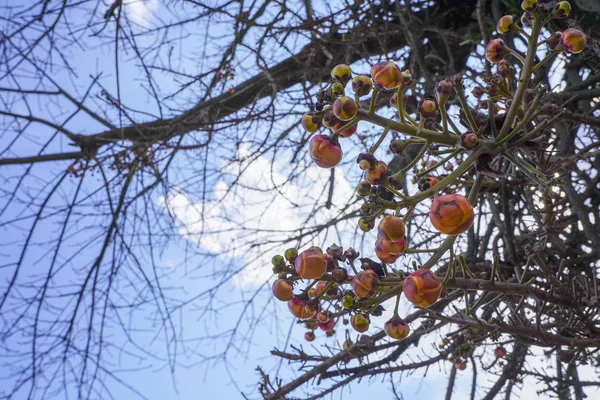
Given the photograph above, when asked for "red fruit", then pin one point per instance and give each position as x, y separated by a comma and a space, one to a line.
324, 152
396, 328
422, 287
310, 264
391, 228
451, 214
328, 325
387, 74
364, 282
309, 336
360, 322
346, 133
461, 365
500, 352
300, 309
396, 247
283, 289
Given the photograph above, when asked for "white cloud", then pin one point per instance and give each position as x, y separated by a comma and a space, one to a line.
258, 209
141, 11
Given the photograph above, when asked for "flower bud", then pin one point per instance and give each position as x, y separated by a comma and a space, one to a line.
347, 301
345, 108
324, 152
300, 309
360, 322
330, 120
461, 365
527, 19
451, 214
337, 89
322, 317
422, 287
529, 5
278, 261
387, 74
362, 85
573, 40
391, 228
396, 247
363, 189
396, 328
377, 174
427, 183
561, 9
310, 264
469, 140
506, 24
499, 352
407, 78
364, 282
340, 275
553, 42
334, 250
283, 289
291, 254
503, 69
443, 90
365, 224
366, 161
496, 50
341, 73
428, 108
309, 336
478, 91
385, 257
311, 122
346, 133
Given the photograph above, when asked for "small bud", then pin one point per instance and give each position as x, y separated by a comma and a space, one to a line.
527, 19
428, 108
561, 9
350, 255
341, 73
506, 24
496, 50
334, 250
364, 282
324, 152
311, 122
347, 301
529, 5
387, 74
366, 224
451, 214
443, 90
469, 140
291, 254
396, 328
345, 108
573, 40
422, 287
346, 133
360, 322
366, 161
503, 69
309, 336
337, 89
340, 275
362, 85
330, 120
278, 261
310, 264
554, 41
363, 189
377, 174
427, 183
478, 91
499, 352
283, 290
391, 228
